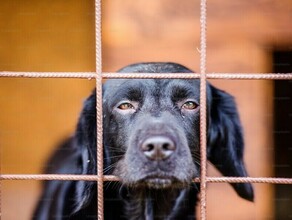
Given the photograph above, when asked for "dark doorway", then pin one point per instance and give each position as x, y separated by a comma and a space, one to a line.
282, 63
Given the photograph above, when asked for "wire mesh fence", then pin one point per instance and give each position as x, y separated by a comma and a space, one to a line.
98, 76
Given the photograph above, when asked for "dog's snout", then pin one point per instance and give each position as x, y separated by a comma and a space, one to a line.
158, 147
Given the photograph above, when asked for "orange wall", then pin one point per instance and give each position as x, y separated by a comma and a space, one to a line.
36, 114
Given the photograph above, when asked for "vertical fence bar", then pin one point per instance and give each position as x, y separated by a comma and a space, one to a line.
203, 109
99, 144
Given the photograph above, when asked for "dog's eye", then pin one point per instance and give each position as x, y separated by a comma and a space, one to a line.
126, 106
189, 105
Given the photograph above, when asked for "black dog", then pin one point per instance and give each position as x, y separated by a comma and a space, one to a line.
151, 141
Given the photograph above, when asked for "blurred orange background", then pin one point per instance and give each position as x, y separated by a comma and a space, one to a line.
42, 35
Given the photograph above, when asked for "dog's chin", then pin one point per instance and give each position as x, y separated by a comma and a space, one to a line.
161, 182
158, 182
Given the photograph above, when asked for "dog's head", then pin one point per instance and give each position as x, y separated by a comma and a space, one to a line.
151, 130
154, 126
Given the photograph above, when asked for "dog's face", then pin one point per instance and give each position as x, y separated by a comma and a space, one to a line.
153, 126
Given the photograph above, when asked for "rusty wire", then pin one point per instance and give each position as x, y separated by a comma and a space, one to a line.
85, 75
114, 75
234, 76
203, 109
111, 178
99, 129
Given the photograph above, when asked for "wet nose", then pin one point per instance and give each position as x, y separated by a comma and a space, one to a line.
158, 147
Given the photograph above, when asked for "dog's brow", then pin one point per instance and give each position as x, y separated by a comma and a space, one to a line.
182, 92
134, 93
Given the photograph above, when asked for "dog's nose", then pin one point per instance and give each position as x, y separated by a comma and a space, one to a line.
158, 147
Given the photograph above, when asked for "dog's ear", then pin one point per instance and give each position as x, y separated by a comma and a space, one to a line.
85, 144
225, 140
85, 141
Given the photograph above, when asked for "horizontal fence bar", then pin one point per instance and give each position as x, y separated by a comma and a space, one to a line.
86, 75
272, 180
254, 76
151, 75
239, 76
113, 75
64, 177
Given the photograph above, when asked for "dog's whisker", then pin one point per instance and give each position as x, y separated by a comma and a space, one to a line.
109, 167
118, 185
117, 156
196, 187
118, 151
115, 148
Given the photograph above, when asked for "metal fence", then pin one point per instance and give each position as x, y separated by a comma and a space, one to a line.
99, 75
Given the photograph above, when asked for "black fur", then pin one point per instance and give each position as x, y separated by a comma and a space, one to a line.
152, 187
